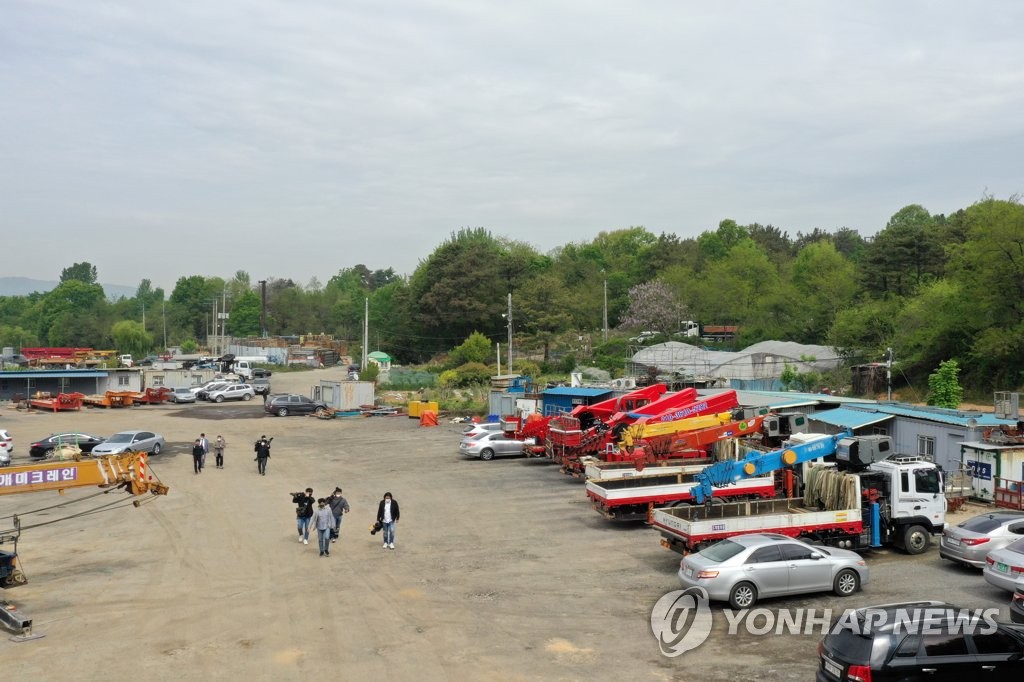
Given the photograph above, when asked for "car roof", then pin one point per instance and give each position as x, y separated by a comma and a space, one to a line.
759, 539
935, 612
134, 431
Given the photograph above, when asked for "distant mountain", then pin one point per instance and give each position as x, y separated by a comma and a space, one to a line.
23, 286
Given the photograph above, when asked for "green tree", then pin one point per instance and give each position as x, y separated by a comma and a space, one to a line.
544, 307
80, 272
476, 348
130, 337
903, 255
944, 387
825, 283
244, 319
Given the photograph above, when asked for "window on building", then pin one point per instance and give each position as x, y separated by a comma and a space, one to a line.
926, 446
879, 431
158, 380
123, 380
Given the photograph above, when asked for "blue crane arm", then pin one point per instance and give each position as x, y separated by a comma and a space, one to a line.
756, 463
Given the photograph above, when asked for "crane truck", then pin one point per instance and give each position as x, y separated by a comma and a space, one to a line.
127, 471
869, 497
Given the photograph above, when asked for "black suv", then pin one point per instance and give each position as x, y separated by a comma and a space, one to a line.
284, 405
920, 641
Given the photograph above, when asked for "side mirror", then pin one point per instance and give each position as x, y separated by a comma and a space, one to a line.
816, 556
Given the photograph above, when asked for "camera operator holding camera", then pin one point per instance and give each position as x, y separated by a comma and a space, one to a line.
303, 513
262, 449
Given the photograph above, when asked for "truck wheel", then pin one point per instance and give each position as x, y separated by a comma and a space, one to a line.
742, 596
156, 449
915, 539
246, 397
282, 412
846, 583
487, 454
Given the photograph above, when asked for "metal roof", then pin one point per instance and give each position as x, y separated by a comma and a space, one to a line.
990, 447
849, 418
569, 390
942, 415
55, 374
782, 400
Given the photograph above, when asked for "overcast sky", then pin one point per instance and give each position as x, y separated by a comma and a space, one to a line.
293, 138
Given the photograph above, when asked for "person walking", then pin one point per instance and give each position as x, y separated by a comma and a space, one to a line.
206, 448
218, 449
387, 517
262, 454
303, 513
325, 527
339, 506
197, 456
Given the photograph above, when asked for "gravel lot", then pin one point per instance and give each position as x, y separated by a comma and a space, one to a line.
502, 571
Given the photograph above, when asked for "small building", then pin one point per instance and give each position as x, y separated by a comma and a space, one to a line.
21, 384
563, 399
996, 469
381, 359
345, 395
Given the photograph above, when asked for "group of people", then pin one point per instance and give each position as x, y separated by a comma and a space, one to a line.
201, 446
329, 513
326, 519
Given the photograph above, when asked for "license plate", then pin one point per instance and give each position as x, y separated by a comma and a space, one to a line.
689, 572
952, 542
833, 668
1002, 568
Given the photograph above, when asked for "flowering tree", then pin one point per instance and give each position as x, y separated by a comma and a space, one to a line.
653, 306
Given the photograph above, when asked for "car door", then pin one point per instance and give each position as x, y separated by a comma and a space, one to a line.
140, 441
766, 569
806, 574
998, 655
934, 656
301, 403
503, 445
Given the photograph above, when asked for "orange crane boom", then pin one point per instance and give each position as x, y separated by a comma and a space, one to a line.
126, 471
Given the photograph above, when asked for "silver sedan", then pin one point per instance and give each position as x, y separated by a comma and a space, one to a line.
131, 441
488, 444
971, 541
745, 568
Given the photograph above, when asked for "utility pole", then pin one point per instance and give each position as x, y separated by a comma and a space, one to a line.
510, 333
223, 317
605, 317
263, 308
366, 333
163, 305
888, 373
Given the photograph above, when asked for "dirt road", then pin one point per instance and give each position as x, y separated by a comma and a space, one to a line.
502, 571
210, 581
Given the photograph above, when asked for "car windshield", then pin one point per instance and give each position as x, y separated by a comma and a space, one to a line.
121, 438
722, 551
1017, 546
851, 646
983, 524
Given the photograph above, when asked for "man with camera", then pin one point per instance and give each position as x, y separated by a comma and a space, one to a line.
303, 513
262, 449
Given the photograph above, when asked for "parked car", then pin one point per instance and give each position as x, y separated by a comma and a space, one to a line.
182, 395
6, 447
261, 373
488, 444
231, 392
292, 403
261, 386
131, 441
745, 568
970, 541
644, 337
928, 644
1017, 605
45, 446
483, 427
1004, 567
203, 392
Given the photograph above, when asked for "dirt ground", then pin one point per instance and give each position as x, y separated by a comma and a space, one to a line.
501, 572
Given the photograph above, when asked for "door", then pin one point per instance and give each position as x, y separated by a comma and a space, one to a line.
937, 656
806, 574
998, 656
766, 569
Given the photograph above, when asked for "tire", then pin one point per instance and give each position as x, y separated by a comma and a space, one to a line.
246, 397
742, 596
219, 399
282, 412
487, 454
49, 453
916, 539
846, 583
156, 449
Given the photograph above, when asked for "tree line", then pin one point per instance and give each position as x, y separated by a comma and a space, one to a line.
931, 287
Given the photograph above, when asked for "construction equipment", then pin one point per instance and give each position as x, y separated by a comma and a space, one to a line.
127, 471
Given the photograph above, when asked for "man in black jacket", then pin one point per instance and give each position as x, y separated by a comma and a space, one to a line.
303, 513
262, 449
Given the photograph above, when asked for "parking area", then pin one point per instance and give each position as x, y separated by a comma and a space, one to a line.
501, 569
